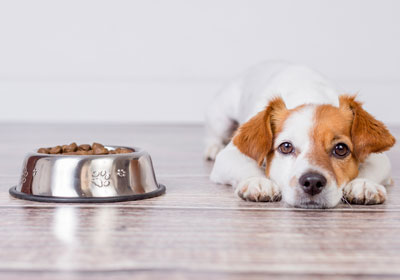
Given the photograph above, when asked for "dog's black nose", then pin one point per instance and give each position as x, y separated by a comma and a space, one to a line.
312, 183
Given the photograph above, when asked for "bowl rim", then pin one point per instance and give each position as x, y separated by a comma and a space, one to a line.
137, 152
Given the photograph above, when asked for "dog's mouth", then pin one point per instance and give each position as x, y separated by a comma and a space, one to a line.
327, 199
311, 205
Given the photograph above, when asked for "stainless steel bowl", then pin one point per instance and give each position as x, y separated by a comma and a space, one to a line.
88, 178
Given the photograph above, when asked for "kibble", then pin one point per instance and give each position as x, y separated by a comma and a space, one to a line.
122, 151
56, 150
44, 151
83, 149
70, 148
100, 151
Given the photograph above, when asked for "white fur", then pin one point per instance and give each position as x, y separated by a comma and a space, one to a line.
258, 189
232, 167
365, 191
373, 176
248, 95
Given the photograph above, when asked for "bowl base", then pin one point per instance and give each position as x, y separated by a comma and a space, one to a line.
56, 199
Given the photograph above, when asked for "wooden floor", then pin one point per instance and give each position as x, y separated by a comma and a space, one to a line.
197, 230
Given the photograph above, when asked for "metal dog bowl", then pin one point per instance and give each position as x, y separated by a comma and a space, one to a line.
88, 178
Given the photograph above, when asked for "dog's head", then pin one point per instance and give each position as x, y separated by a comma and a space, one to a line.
313, 151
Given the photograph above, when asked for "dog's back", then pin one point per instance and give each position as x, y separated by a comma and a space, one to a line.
249, 93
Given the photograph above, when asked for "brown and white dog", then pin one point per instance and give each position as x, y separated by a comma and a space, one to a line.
309, 146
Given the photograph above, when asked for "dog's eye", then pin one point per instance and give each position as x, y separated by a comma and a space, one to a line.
341, 150
286, 148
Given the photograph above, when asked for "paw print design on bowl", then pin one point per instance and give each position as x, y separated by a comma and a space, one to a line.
23, 176
101, 178
121, 172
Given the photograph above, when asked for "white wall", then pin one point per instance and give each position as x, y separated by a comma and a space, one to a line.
162, 60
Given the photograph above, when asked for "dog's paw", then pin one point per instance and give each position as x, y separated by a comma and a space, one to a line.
258, 189
365, 192
212, 150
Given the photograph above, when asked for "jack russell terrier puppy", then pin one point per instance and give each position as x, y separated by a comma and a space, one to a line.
291, 136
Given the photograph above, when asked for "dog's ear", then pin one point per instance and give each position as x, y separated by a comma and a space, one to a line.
368, 134
255, 137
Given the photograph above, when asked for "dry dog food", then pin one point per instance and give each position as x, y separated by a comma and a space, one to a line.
84, 149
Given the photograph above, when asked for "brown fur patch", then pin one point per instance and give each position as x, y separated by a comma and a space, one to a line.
352, 125
368, 134
255, 138
332, 126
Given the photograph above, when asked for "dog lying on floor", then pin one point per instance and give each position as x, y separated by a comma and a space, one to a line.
298, 140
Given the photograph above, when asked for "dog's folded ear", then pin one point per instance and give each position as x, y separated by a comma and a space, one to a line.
368, 134
255, 137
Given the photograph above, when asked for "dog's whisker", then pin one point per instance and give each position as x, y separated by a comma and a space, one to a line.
346, 201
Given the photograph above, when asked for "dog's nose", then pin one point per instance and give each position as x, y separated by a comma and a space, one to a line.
312, 183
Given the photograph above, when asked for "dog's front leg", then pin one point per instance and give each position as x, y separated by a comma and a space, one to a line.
368, 188
243, 173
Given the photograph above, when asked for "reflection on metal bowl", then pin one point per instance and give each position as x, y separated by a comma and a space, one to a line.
88, 178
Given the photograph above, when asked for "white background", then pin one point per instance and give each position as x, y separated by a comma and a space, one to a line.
162, 60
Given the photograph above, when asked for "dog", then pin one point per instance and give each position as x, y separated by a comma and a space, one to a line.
283, 131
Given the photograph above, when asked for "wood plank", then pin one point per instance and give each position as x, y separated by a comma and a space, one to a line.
103, 239
172, 274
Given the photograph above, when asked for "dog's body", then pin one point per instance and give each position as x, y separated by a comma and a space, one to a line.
310, 146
